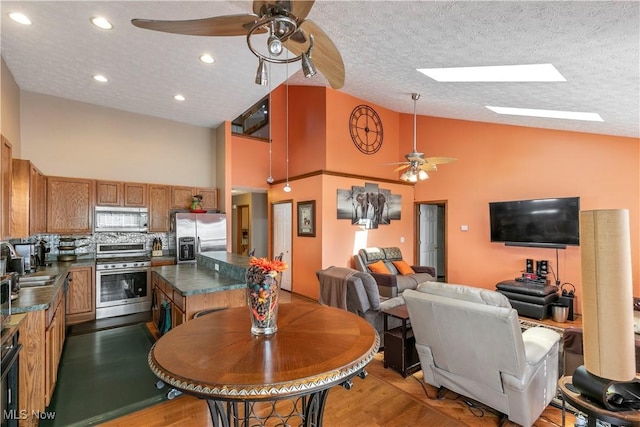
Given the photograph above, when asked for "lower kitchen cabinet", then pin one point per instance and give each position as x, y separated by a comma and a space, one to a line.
42, 335
163, 292
81, 296
54, 343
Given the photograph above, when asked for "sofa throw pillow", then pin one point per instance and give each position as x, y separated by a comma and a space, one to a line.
378, 267
403, 267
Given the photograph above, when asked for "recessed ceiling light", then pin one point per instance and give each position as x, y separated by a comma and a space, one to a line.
500, 73
20, 18
101, 23
100, 78
554, 114
206, 58
179, 98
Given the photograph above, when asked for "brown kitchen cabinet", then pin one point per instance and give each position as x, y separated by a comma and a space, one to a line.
163, 291
159, 199
5, 187
70, 205
28, 199
81, 296
182, 197
54, 343
114, 193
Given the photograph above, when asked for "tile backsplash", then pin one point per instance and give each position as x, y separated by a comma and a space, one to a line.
86, 244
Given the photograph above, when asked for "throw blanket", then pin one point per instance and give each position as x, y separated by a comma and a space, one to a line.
333, 286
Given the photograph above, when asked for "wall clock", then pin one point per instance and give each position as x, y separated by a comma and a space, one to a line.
366, 129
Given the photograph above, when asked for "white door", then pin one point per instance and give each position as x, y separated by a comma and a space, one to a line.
428, 238
282, 214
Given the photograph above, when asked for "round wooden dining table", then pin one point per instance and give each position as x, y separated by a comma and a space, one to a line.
281, 379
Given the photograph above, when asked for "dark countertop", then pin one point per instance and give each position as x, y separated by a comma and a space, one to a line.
40, 298
192, 279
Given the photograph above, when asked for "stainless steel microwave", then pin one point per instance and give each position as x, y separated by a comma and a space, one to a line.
120, 219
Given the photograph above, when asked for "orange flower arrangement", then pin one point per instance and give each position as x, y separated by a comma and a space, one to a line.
267, 265
262, 292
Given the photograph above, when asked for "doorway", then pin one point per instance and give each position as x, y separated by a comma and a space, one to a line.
432, 250
282, 229
242, 230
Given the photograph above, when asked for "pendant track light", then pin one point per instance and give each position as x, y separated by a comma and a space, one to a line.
287, 187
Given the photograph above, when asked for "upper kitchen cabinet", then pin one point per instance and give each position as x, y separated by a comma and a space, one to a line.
113, 193
28, 199
70, 205
5, 187
182, 197
159, 199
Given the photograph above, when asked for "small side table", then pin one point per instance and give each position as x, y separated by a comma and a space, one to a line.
399, 344
592, 410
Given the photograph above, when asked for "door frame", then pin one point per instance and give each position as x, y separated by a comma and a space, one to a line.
442, 234
272, 231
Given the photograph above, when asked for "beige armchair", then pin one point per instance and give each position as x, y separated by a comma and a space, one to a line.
469, 341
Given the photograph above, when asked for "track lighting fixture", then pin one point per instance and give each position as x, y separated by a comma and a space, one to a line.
261, 75
308, 68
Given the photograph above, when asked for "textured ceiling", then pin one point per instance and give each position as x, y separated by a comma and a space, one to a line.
595, 45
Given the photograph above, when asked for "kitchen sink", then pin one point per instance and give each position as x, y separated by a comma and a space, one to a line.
33, 281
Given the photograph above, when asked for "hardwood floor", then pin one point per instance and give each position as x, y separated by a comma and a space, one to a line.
384, 398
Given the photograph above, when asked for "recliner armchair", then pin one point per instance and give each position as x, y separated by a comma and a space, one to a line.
357, 292
469, 341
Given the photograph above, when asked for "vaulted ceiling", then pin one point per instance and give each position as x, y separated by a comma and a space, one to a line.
594, 45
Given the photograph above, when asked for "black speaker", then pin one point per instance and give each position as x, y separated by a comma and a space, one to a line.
542, 267
529, 266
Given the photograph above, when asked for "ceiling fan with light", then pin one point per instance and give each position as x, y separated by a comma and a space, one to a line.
287, 27
417, 165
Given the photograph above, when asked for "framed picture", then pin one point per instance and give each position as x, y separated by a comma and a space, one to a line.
307, 218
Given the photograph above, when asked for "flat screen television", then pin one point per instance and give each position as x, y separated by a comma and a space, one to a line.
538, 223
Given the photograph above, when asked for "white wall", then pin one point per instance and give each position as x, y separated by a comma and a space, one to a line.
74, 139
9, 108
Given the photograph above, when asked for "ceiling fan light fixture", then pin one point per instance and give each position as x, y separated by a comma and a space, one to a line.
423, 175
275, 45
262, 77
308, 68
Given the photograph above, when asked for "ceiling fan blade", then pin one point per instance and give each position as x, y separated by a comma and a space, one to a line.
399, 168
325, 54
228, 25
301, 8
428, 167
440, 160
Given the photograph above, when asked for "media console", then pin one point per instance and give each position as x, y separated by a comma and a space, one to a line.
530, 299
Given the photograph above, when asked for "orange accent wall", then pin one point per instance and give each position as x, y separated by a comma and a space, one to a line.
342, 154
250, 160
499, 162
495, 162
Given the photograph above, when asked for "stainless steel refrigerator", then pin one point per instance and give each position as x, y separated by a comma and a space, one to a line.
199, 232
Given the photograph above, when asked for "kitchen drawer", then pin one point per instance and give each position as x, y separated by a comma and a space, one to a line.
178, 300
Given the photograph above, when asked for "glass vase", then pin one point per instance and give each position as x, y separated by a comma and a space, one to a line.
262, 299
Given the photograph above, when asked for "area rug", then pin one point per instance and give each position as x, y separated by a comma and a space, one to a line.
103, 375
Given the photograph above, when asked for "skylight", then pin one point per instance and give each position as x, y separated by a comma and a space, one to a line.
554, 114
20, 18
499, 73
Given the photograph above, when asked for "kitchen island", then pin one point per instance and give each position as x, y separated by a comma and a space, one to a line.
216, 281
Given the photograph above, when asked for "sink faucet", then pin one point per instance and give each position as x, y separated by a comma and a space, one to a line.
12, 250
